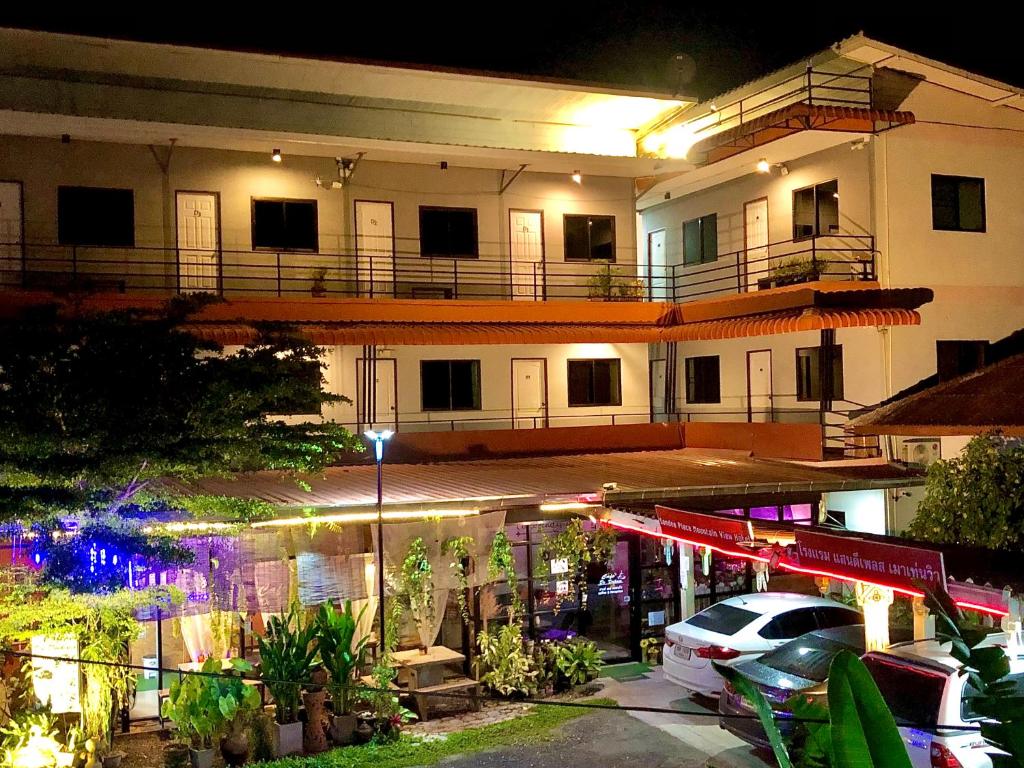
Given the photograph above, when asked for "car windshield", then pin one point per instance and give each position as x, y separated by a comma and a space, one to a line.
722, 618
808, 657
913, 693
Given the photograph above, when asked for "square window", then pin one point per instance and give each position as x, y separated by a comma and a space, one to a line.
958, 203
700, 239
589, 238
448, 233
450, 385
284, 225
816, 210
96, 216
702, 380
595, 382
809, 385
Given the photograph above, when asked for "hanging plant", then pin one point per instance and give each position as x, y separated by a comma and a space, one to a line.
502, 563
574, 548
417, 585
458, 548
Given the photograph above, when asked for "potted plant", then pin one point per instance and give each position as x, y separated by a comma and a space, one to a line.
790, 272
578, 661
631, 290
193, 705
287, 651
601, 284
343, 655
237, 702
319, 286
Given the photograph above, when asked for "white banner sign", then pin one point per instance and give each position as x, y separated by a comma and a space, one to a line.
56, 682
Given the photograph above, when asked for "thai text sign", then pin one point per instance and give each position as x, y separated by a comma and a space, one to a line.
890, 565
701, 529
56, 682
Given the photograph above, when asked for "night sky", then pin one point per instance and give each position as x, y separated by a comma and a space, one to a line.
630, 44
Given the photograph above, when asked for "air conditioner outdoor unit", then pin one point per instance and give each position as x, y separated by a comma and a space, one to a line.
920, 450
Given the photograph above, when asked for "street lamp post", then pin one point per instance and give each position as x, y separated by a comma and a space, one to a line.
378, 438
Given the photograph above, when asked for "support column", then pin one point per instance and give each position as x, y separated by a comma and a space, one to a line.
874, 602
924, 624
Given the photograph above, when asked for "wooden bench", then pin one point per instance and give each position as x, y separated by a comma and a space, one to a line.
422, 695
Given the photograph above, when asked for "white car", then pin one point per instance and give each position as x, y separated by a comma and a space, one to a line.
920, 683
742, 628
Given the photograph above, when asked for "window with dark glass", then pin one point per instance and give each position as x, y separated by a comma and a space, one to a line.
809, 378
448, 232
702, 380
816, 210
95, 216
700, 239
955, 358
589, 238
958, 203
450, 385
284, 225
595, 382
790, 624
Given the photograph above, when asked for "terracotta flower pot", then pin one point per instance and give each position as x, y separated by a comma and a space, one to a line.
314, 734
234, 747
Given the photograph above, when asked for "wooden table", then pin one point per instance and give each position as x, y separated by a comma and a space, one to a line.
420, 670
424, 674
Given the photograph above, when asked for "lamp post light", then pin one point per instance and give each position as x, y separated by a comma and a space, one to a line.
378, 439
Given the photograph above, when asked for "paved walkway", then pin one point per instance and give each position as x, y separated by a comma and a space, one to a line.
696, 725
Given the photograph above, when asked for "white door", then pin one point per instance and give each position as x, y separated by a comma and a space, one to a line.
759, 385
377, 409
198, 242
526, 237
529, 394
11, 236
755, 246
375, 247
658, 400
657, 266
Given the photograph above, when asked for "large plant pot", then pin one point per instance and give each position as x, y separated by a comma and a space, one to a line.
287, 739
343, 729
176, 755
234, 747
113, 759
201, 758
314, 732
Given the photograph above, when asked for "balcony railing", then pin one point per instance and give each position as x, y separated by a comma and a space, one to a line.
827, 257
341, 275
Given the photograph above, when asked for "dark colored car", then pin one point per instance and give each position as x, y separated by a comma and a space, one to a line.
800, 666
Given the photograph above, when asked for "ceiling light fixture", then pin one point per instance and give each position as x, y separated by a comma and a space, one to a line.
366, 517
577, 177
276, 155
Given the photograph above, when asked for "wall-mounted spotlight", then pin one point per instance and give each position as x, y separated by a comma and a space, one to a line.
276, 155
577, 177
763, 166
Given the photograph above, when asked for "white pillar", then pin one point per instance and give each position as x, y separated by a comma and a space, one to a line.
874, 601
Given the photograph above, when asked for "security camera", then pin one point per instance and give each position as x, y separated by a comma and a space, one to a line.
610, 486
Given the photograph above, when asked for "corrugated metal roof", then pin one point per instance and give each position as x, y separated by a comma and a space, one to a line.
490, 483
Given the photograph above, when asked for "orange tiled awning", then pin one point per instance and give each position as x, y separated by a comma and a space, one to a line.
811, 319
427, 334
791, 119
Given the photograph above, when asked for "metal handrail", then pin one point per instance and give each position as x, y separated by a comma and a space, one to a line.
280, 273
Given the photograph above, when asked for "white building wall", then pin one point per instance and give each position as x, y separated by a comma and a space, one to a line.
496, 384
42, 165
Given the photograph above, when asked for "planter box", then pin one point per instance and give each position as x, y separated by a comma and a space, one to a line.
287, 739
201, 758
343, 729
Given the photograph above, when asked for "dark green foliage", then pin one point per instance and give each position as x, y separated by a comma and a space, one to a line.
976, 499
95, 407
341, 651
999, 697
287, 652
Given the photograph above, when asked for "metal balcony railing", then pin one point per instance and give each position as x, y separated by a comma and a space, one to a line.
342, 275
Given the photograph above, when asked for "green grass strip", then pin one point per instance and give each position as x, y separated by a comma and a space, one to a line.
532, 728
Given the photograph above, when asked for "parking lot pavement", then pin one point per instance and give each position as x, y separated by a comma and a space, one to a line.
696, 725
